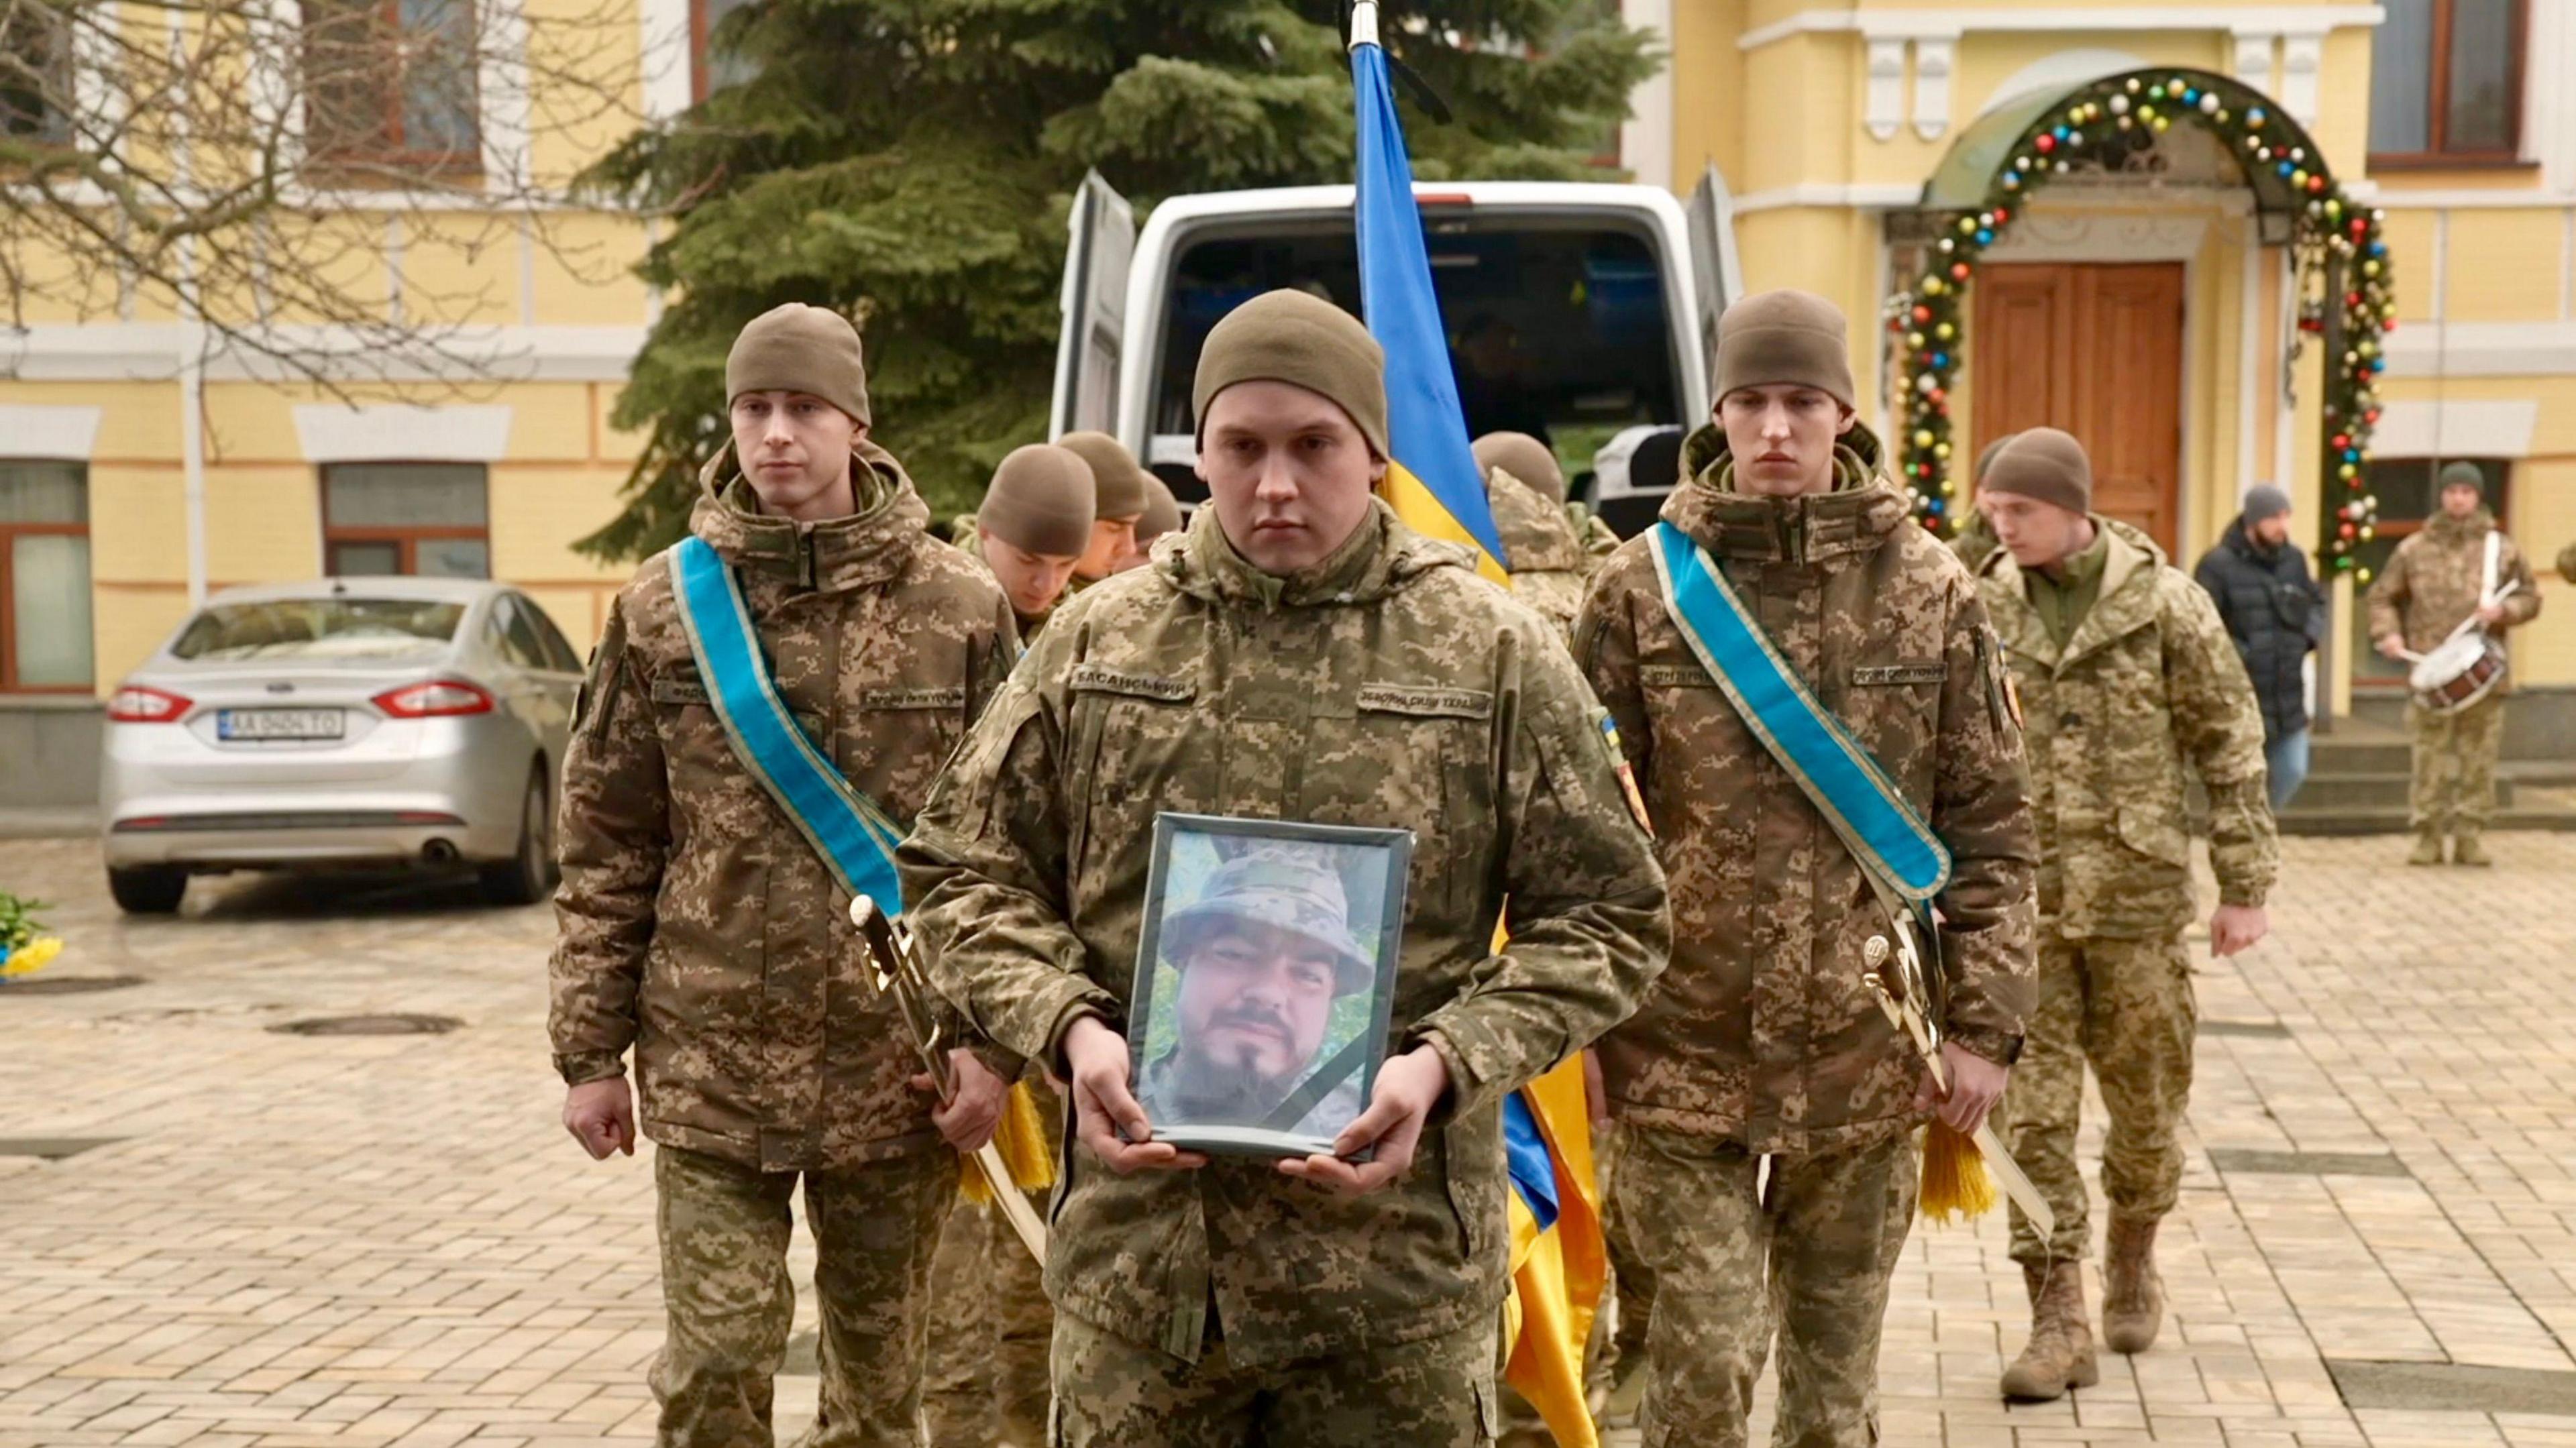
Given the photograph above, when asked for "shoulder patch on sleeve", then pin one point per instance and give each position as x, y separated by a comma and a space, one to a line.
1608, 729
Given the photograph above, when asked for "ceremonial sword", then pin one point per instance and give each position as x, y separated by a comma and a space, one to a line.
897, 971
1907, 1012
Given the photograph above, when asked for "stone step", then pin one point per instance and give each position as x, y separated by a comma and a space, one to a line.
2377, 790
2372, 754
2382, 821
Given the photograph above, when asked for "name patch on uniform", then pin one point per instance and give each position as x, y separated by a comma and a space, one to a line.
1099, 679
1900, 674
1674, 676
951, 697
684, 689
1427, 701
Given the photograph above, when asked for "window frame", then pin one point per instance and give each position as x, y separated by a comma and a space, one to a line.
2437, 102
9, 535
406, 537
467, 161
53, 128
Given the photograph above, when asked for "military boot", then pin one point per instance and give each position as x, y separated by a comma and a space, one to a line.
2428, 848
2465, 850
2059, 1355
2133, 1295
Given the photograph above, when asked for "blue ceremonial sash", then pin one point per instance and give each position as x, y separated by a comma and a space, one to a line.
1893, 844
855, 839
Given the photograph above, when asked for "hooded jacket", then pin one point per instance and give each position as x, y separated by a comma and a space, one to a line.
1388, 686
1761, 1031
2146, 690
1548, 563
2273, 611
695, 923
2431, 583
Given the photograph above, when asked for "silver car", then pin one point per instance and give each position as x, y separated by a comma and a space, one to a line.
350, 722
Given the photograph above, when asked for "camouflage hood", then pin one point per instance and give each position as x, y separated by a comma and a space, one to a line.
1381, 556
2130, 598
1856, 517
2452, 532
868, 547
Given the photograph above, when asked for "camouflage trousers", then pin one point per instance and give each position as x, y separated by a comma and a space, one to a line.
989, 1328
1437, 1392
2455, 765
724, 1230
1807, 1255
2126, 1007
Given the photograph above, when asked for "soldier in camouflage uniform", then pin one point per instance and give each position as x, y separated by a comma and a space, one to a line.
1162, 515
1121, 488
1974, 543
1761, 1039
1032, 529
1526, 491
1300, 654
699, 927
2131, 685
2429, 588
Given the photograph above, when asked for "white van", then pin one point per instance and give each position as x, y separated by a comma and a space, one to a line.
1575, 311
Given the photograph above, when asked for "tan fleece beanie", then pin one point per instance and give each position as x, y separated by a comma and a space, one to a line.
1986, 454
797, 348
1115, 474
1162, 512
1524, 457
1303, 340
2044, 464
1784, 336
1040, 500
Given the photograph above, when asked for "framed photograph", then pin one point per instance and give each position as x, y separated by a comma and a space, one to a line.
1264, 980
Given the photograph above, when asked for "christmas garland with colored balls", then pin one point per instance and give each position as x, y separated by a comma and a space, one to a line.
2099, 126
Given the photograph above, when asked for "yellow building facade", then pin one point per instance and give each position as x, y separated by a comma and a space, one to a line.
2154, 310
143, 464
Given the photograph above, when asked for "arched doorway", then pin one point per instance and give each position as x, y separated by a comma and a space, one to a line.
2141, 125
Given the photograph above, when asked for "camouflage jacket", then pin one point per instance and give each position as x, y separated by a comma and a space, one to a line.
2432, 581
1548, 563
1388, 686
2147, 689
1762, 1031
696, 923
1598, 538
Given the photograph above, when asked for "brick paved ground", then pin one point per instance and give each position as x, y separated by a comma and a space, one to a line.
387, 1240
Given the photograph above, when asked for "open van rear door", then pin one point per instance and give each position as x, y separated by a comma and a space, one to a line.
1715, 272
1096, 255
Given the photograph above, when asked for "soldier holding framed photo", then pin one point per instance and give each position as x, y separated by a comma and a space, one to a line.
1300, 655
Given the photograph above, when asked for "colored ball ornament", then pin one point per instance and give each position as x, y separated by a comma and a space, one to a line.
1922, 313
2298, 177
2045, 144
1914, 339
2146, 113
2119, 105
2254, 116
2155, 93
2370, 268
1998, 216
2126, 122
2316, 185
1926, 384
2133, 85
1941, 450
1931, 286
2368, 532
1945, 331
1923, 437
2162, 125
2365, 575
1959, 271
1941, 361
2209, 103
1967, 224
2012, 181
2346, 531
2298, 153
1947, 245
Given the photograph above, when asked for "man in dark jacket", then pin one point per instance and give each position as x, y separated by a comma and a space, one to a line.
2272, 608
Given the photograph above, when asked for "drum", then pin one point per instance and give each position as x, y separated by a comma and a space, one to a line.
2464, 669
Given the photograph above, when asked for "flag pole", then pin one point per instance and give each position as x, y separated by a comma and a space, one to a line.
1363, 24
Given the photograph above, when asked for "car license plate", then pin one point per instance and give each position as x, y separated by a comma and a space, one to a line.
279, 724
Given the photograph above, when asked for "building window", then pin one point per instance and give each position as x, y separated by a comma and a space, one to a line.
2446, 82
428, 519
35, 74
712, 66
44, 575
2407, 497
392, 82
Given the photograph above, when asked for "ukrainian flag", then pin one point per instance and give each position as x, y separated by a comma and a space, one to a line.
1559, 1258
1431, 481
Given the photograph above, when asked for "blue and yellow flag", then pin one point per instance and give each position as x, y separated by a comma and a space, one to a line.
1431, 481
1560, 1260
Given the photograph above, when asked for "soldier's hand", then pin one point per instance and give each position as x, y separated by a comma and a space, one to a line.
2237, 927
1106, 1117
1408, 1088
967, 1118
2390, 646
1976, 1084
601, 1116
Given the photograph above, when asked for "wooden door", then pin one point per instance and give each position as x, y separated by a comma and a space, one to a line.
2097, 351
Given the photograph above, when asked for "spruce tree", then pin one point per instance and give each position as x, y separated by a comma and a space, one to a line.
911, 162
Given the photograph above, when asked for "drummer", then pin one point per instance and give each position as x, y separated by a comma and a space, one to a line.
2128, 684
2459, 566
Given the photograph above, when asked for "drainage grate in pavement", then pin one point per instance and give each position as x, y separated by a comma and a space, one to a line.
2259, 1030
67, 984
804, 1357
2308, 1163
2435, 1387
396, 1025
53, 1148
